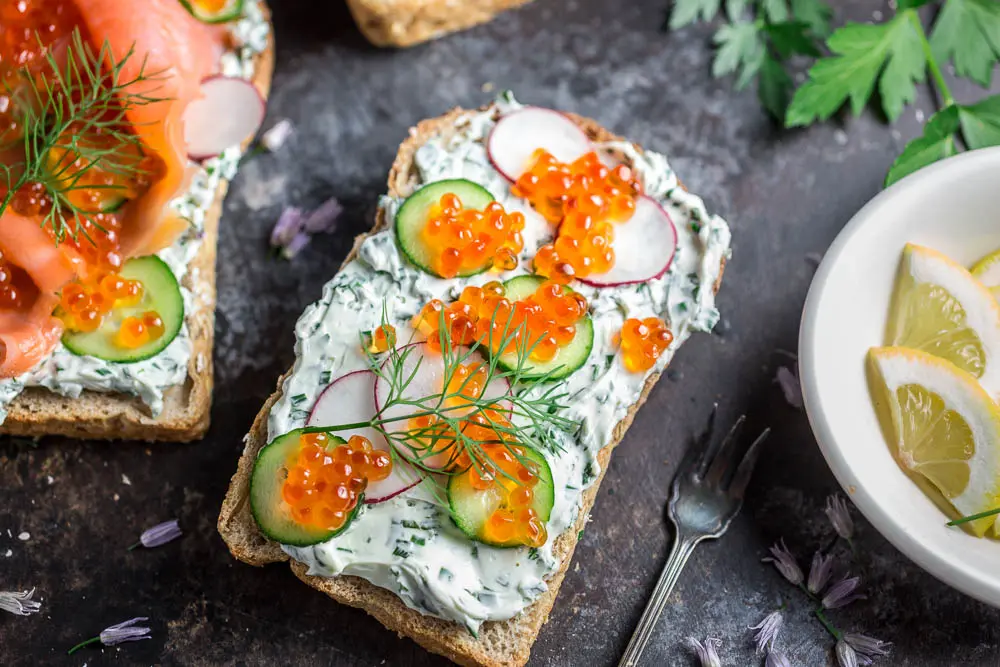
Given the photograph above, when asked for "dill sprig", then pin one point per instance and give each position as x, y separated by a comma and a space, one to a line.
531, 406
78, 96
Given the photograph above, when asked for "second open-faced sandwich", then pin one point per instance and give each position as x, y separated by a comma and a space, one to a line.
432, 455
121, 123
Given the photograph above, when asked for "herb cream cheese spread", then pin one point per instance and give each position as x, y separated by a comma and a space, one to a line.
409, 544
69, 374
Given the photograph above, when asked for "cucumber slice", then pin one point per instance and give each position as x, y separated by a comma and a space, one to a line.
269, 509
569, 358
412, 216
101, 186
160, 293
230, 11
470, 507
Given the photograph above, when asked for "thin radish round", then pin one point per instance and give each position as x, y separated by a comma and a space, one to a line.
229, 111
516, 137
644, 247
350, 399
426, 371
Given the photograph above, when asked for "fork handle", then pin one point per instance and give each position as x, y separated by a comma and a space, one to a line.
679, 554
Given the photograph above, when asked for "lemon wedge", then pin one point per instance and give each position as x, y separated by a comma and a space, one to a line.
940, 308
942, 425
987, 271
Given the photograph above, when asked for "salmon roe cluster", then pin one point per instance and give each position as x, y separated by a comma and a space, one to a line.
382, 339
323, 487
545, 320
464, 240
85, 304
643, 341
515, 519
437, 439
583, 198
15, 285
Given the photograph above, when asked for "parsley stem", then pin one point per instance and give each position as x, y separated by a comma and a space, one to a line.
973, 517
942, 87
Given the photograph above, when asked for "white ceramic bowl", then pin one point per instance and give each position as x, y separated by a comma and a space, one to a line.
954, 207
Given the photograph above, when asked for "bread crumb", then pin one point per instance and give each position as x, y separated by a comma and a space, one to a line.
10, 552
125, 480
24, 536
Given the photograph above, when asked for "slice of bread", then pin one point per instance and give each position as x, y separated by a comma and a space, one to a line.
500, 643
409, 22
186, 408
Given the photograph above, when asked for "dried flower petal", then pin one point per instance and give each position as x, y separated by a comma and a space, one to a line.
842, 593
276, 137
846, 656
19, 603
785, 563
866, 647
160, 534
788, 380
840, 516
296, 245
324, 218
767, 631
776, 660
707, 654
288, 226
126, 631
819, 573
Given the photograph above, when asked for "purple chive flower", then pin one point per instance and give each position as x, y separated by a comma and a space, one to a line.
276, 137
127, 631
842, 593
296, 245
776, 660
289, 224
707, 654
19, 603
158, 535
788, 380
846, 656
767, 631
866, 647
785, 563
324, 218
840, 516
819, 573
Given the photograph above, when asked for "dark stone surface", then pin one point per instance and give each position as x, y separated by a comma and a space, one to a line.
786, 194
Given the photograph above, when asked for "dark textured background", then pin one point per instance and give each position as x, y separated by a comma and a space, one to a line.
786, 194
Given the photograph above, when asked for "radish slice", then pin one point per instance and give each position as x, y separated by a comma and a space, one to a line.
351, 398
427, 370
229, 111
644, 247
516, 137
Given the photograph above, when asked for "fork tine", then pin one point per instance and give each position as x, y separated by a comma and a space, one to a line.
745, 469
724, 458
700, 452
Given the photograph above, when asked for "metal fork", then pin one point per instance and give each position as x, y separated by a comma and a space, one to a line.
706, 495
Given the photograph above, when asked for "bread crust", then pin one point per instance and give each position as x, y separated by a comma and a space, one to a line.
401, 23
187, 407
500, 643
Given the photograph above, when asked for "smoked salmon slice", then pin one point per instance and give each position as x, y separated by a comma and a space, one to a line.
181, 52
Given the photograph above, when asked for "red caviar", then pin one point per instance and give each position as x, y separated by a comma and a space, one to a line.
545, 321
465, 240
643, 341
324, 486
584, 198
382, 339
514, 519
84, 305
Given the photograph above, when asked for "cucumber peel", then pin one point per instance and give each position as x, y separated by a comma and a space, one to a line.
230, 11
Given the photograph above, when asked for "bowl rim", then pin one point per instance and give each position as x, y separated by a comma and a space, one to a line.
968, 580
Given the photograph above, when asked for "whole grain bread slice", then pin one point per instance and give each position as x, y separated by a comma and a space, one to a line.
186, 407
500, 643
407, 22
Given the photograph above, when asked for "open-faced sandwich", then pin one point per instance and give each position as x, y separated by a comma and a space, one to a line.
120, 124
432, 455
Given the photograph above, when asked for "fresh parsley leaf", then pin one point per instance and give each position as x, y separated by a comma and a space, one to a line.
814, 13
791, 37
735, 9
774, 88
981, 123
890, 53
775, 11
740, 47
968, 31
689, 11
937, 143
